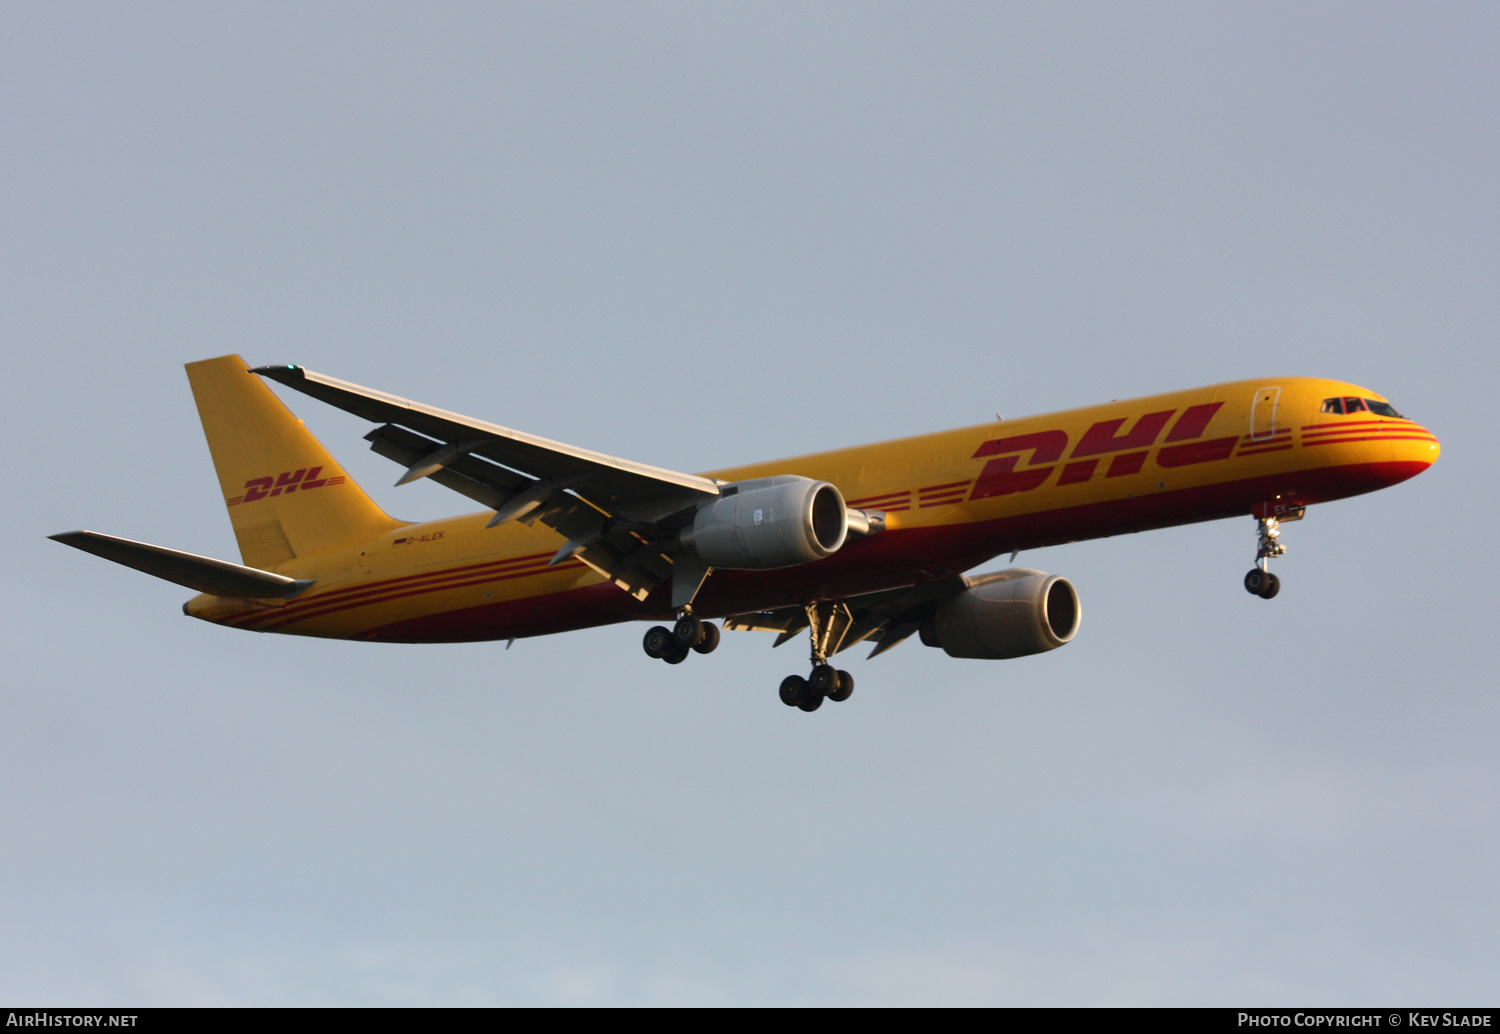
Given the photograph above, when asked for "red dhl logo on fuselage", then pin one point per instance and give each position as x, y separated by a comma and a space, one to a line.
1048, 450
287, 482
1130, 449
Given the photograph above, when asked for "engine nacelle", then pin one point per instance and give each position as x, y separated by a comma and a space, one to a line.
768, 523
1010, 614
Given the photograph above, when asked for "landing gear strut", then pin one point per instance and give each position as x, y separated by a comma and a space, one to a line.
1260, 581
687, 635
828, 623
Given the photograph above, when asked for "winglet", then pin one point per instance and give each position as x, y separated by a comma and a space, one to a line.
278, 372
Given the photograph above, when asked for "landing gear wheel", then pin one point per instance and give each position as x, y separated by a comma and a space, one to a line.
1262, 583
658, 642
793, 689
710, 638
845, 688
824, 679
688, 631
676, 655
811, 702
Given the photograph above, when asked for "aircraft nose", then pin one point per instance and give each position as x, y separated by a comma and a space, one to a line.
1434, 447
1415, 448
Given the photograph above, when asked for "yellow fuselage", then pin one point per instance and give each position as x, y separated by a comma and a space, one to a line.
952, 500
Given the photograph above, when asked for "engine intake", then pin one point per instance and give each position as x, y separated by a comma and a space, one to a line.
1011, 613
767, 523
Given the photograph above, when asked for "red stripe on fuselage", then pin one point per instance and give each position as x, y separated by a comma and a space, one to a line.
876, 501
401, 594
1344, 424
1366, 429
534, 563
1370, 438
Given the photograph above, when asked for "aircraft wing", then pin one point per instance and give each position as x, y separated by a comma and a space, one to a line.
610, 479
888, 617
618, 515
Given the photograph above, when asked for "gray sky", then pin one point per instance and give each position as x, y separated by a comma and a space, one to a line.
704, 234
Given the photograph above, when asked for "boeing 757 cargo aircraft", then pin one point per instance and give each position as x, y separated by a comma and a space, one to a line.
869, 543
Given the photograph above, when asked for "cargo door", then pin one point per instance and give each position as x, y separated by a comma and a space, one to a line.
1263, 413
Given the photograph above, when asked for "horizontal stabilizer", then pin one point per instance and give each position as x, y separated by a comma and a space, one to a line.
216, 577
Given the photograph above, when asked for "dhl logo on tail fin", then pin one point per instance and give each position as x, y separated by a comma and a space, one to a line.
250, 432
287, 481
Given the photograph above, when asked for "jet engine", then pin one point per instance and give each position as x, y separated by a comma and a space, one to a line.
767, 523
1009, 614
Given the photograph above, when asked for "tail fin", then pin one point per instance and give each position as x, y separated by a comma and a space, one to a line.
287, 496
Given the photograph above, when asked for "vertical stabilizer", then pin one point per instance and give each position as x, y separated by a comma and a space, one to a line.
286, 495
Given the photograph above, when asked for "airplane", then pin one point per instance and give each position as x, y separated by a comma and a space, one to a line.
852, 545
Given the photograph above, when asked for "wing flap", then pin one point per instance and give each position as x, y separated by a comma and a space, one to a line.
593, 537
486, 483
887, 617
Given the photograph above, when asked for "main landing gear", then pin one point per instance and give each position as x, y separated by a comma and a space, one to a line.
828, 622
1260, 581
808, 693
687, 635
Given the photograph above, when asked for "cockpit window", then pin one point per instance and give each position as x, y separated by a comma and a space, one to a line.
1349, 404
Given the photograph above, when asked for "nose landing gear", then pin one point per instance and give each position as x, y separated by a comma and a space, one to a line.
1269, 518
1262, 583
